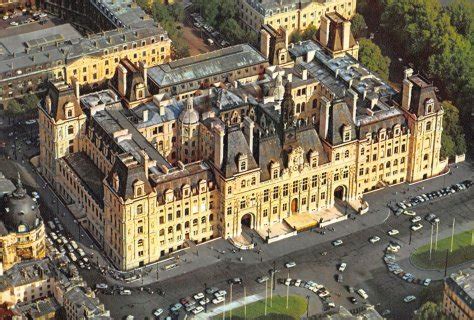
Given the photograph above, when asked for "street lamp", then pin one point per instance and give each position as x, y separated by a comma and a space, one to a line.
205, 293
307, 307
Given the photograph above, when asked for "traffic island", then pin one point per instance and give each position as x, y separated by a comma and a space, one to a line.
462, 252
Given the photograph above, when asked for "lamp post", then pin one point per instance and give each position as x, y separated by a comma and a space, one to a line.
307, 307
205, 296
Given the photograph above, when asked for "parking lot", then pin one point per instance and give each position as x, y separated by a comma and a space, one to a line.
23, 22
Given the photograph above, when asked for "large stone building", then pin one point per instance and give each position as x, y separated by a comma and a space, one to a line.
22, 235
116, 30
150, 170
458, 295
293, 15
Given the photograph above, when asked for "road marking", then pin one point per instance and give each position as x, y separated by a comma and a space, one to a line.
386, 218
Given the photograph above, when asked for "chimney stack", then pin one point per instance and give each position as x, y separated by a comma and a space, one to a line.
407, 88
346, 34
265, 43
324, 118
324, 30
248, 131
122, 79
353, 103
47, 102
219, 134
145, 115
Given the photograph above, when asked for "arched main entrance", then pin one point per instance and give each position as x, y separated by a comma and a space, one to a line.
246, 220
340, 193
294, 206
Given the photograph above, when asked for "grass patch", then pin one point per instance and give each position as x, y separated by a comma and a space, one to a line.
463, 251
256, 310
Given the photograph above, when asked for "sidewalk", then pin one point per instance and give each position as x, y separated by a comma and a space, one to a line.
226, 307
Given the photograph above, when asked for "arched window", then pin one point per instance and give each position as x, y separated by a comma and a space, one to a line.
203, 220
195, 222
170, 230
178, 227
186, 224
70, 129
381, 166
139, 209
428, 126
162, 232
395, 162
211, 217
387, 165
242, 184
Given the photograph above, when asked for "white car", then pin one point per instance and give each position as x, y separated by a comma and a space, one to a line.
204, 301
262, 279
337, 243
374, 239
409, 213
342, 267
392, 249
218, 300
157, 312
409, 299
288, 282
101, 286
197, 310
290, 264
198, 296
415, 219
297, 282
362, 293
220, 293
416, 227
393, 232
427, 282
74, 244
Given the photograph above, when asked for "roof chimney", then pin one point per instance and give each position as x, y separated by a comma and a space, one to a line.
145, 115
346, 34
248, 131
324, 30
324, 117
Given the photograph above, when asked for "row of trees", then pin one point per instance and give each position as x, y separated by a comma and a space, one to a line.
438, 40
25, 107
222, 15
170, 18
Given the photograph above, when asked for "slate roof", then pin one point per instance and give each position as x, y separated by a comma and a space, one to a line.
204, 65
91, 176
339, 116
422, 91
60, 95
271, 7
236, 144
462, 283
128, 172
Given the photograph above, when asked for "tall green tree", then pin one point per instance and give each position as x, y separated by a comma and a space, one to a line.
453, 141
371, 56
30, 103
358, 25
461, 13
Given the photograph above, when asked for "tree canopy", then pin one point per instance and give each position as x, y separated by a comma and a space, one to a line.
371, 56
358, 25
430, 310
452, 140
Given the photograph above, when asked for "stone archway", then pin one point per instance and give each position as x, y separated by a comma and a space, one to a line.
246, 220
340, 193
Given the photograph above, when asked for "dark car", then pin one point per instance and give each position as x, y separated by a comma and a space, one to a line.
353, 300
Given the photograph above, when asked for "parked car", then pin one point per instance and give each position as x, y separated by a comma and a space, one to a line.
353, 300
218, 300
298, 282
342, 267
157, 312
198, 296
393, 232
290, 264
416, 227
102, 286
408, 299
374, 239
337, 243
235, 281
415, 219
220, 293
362, 293
262, 279
176, 307
409, 213
426, 282
197, 310
339, 278
211, 290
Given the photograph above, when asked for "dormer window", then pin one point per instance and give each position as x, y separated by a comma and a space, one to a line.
186, 190
242, 162
69, 110
346, 133
169, 195
429, 106
115, 181
140, 91
314, 159
138, 187
275, 170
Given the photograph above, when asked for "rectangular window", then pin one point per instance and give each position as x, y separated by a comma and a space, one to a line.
275, 193
313, 198
265, 212
323, 178
140, 229
295, 186
323, 195
285, 190
242, 204
304, 184
314, 181
265, 195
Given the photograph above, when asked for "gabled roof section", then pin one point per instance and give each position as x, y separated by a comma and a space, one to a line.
339, 116
236, 144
